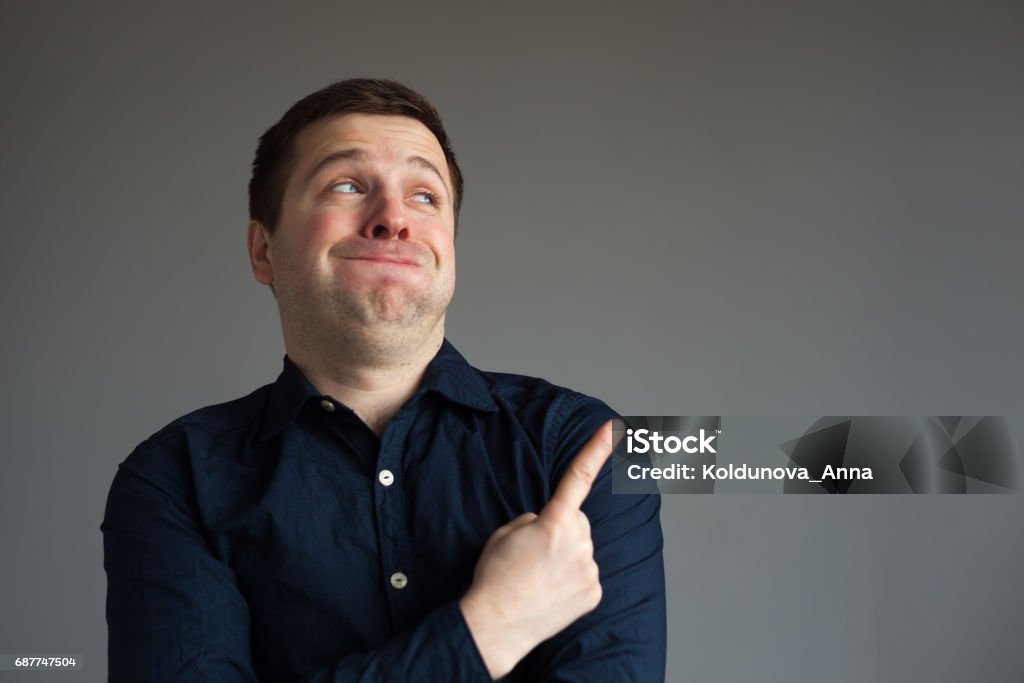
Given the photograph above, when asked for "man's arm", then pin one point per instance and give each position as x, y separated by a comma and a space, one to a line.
536, 576
175, 612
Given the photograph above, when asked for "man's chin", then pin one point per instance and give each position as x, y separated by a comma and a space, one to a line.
392, 309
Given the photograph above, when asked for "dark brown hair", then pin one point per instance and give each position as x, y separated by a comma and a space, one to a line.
275, 152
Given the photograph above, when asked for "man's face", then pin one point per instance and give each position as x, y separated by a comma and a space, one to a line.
367, 227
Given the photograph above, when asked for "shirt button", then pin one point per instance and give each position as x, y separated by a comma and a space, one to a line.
398, 580
386, 478
327, 405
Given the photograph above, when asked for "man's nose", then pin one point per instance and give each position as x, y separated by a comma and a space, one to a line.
388, 220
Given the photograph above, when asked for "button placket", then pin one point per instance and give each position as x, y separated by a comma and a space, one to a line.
393, 524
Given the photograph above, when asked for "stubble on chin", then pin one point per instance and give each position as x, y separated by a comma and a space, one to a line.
385, 320
382, 306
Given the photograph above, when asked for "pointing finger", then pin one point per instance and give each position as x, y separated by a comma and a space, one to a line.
580, 475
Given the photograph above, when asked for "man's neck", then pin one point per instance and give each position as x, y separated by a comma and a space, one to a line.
374, 385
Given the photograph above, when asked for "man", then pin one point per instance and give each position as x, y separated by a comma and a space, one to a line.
383, 511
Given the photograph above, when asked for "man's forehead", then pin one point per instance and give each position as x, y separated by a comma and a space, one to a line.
378, 134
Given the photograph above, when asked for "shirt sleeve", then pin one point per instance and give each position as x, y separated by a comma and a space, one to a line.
175, 611
624, 638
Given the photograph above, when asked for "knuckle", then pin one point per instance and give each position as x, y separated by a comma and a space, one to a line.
584, 548
594, 596
586, 568
583, 522
583, 474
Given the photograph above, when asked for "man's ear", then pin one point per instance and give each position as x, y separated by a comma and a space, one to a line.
259, 253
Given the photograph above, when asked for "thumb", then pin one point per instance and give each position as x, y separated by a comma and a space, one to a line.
520, 521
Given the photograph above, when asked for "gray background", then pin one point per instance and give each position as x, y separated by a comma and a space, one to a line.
802, 208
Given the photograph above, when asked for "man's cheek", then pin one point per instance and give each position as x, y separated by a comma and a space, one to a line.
329, 224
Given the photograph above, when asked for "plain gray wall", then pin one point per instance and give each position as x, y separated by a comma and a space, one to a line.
753, 208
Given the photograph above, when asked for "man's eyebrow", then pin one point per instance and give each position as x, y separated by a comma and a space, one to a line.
421, 162
334, 157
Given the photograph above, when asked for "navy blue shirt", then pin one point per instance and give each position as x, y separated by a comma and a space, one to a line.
277, 538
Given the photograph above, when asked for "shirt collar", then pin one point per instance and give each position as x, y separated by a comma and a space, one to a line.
451, 376
287, 396
448, 374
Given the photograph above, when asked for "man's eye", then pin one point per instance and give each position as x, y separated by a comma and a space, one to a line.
347, 187
425, 197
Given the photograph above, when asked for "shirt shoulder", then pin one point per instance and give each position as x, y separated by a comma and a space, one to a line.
564, 416
167, 457
229, 417
524, 390
531, 401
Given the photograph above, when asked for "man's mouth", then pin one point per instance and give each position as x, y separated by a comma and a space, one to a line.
396, 254
393, 260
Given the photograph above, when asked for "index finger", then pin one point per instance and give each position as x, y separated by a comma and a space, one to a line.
583, 470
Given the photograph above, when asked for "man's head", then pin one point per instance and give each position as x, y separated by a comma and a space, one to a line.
353, 202
275, 155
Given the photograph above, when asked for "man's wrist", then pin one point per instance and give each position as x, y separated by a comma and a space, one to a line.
500, 644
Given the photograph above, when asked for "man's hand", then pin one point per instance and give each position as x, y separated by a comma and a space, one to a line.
537, 573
